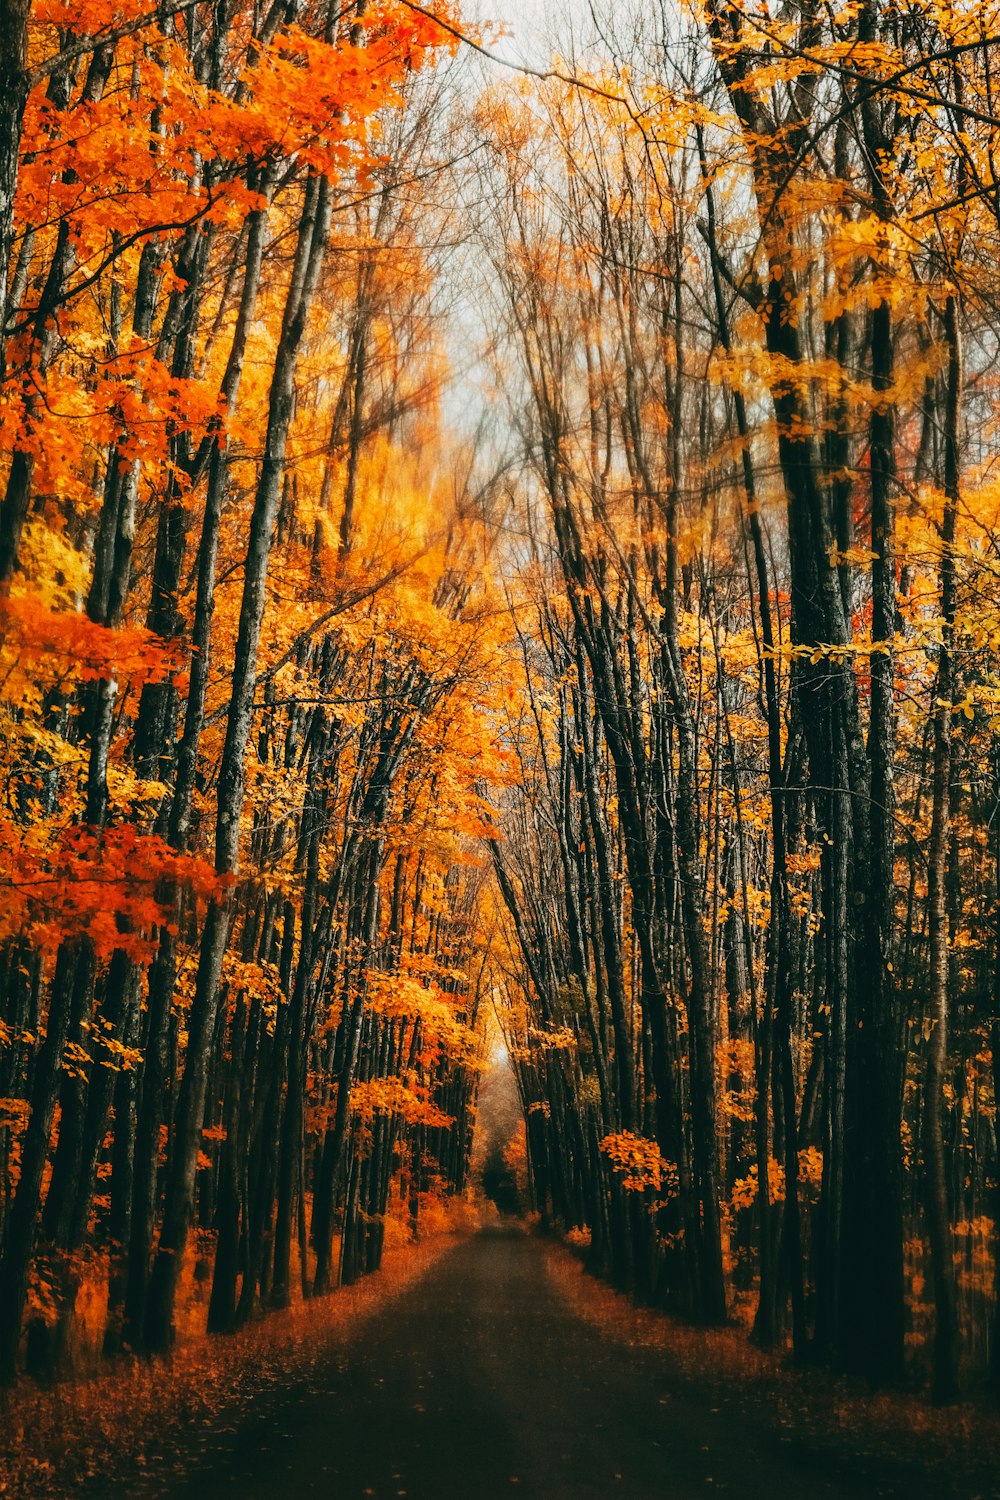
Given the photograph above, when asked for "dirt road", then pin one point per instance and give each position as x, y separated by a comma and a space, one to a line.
481, 1383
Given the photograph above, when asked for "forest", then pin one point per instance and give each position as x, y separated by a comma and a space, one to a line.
501, 561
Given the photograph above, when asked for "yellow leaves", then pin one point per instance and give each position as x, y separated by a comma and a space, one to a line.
759, 373
966, 705
553, 1039
112, 1053
852, 557
827, 651
58, 570
255, 980
132, 794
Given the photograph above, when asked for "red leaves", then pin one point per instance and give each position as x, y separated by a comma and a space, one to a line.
106, 885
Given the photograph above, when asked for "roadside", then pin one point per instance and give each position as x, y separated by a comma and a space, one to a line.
950, 1451
145, 1421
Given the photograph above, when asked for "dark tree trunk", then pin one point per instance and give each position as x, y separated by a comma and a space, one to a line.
70, 975
179, 1200
945, 1382
13, 97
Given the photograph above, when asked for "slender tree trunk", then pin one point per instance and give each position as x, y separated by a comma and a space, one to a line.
179, 1200
17, 496
872, 1292
13, 97
935, 1156
22, 1224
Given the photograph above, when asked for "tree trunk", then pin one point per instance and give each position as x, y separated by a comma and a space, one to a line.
945, 1381
179, 1201
13, 97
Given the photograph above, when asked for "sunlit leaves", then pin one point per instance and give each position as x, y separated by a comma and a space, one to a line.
639, 1164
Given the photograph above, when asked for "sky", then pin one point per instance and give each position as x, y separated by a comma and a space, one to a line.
524, 22
532, 30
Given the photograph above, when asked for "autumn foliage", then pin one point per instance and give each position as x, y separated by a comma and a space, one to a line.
743, 261
659, 719
244, 644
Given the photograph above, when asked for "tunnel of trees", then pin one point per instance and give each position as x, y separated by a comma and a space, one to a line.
626, 687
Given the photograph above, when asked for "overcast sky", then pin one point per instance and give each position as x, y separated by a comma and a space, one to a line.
525, 22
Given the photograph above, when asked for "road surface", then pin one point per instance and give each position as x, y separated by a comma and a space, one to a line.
481, 1383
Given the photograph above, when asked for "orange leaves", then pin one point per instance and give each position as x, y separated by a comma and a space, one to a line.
60, 644
158, 149
104, 885
639, 1164
393, 1096
84, 163
399, 997
746, 1189
94, 404
90, 17
154, 402
327, 121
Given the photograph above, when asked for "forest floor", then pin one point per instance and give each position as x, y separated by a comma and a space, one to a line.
478, 1367
498, 1368
886, 1443
137, 1427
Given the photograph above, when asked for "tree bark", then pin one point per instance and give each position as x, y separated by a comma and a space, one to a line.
945, 1382
179, 1200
